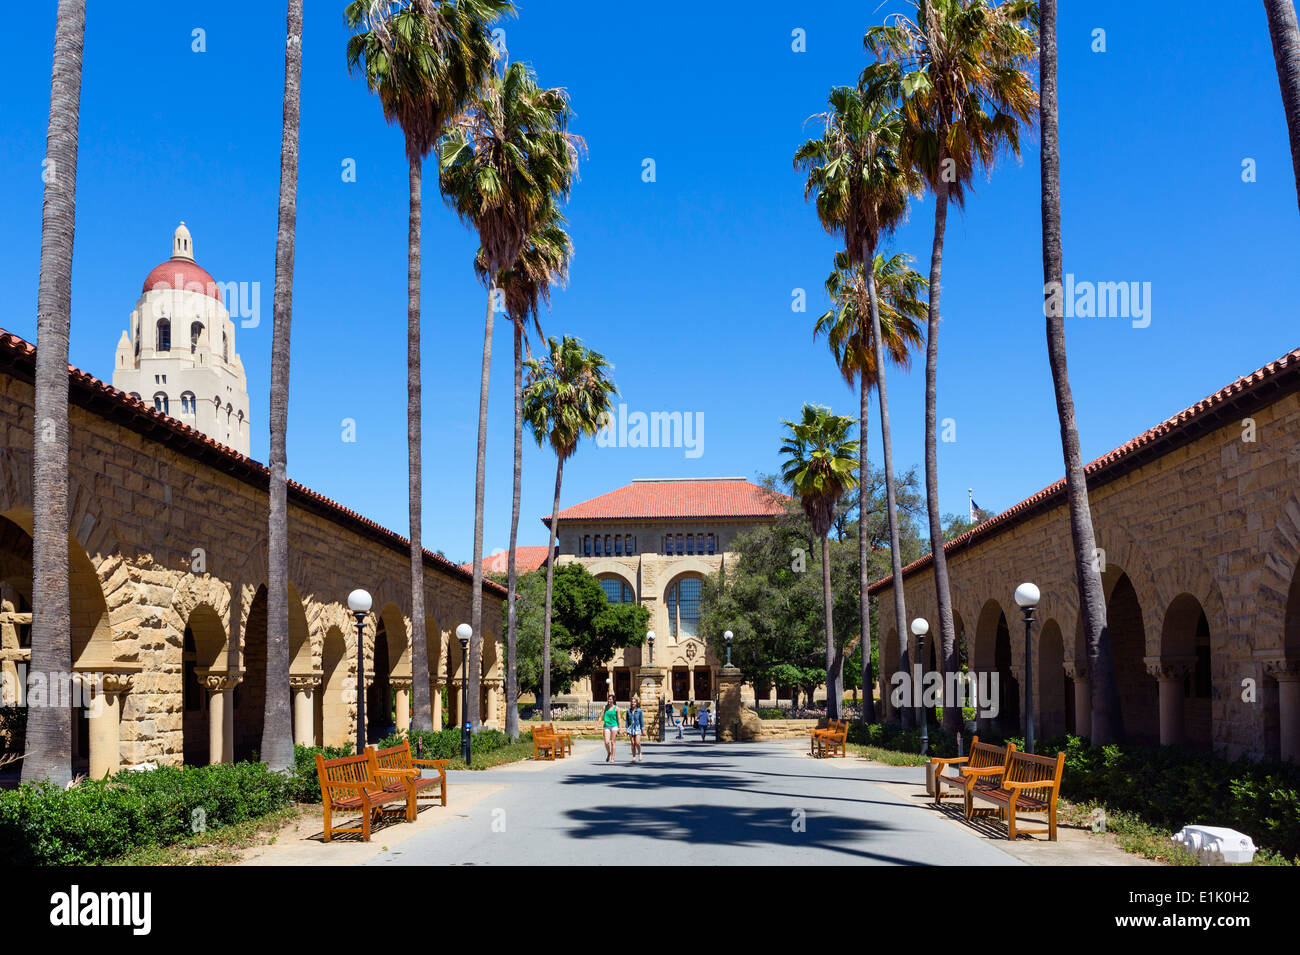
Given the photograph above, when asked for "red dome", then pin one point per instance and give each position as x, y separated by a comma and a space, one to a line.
183, 275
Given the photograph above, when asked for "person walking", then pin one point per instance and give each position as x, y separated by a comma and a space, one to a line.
678, 717
704, 723
635, 727
609, 719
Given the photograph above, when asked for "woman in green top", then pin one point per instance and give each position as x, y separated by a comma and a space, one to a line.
610, 719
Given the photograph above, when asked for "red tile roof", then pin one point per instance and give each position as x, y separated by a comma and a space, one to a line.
669, 498
1229, 404
526, 559
18, 357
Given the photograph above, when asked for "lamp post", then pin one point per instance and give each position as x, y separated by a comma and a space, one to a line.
650, 641
359, 603
920, 627
463, 633
728, 637
1027, 599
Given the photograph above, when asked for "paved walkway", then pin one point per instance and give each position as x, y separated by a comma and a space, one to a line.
691, 802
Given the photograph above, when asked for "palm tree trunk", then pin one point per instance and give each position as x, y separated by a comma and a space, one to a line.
550, 581
480, 483
943, 595
834, 681
864, 599
1285, 34
512, 676
277, 723
891, 498
422, 718
49, 729
1107, 725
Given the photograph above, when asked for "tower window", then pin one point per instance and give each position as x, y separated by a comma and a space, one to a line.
189, 404
164, 335
225, 347
196, 332
160, 402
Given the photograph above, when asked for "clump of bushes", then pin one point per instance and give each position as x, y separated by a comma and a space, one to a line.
893, 736
304, 782
99, 820
445, 744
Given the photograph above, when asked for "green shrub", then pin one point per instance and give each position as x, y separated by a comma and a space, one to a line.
306, 785
99, 820
893, 736
445, 744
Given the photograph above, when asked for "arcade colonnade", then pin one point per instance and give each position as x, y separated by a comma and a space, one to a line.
168, 592
1198, 530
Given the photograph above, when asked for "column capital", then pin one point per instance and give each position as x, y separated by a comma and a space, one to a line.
118, 682
304, 681
401, 682
1076, 671
1169, 668
219, 682
1282, 670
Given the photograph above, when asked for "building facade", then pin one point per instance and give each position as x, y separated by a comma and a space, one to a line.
178, 351
653, 542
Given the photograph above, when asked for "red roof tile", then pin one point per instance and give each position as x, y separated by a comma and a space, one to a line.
99, 397
1230, 403
668, 498
526, 559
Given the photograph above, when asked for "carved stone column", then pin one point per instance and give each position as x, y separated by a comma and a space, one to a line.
728, 714
1170, 673
304, 711
402, 697
221, 714
1078, 674
1287, 675
650, 693
105, 720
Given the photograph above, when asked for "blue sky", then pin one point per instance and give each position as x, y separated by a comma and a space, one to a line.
684, 283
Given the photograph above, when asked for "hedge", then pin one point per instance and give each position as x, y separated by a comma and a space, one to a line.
445, 744
98, 820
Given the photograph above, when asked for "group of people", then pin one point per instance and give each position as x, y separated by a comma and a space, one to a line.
635, 726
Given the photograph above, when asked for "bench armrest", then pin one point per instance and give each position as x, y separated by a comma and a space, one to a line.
982, 771
948, 760
434, 763
395, 772
1041, 784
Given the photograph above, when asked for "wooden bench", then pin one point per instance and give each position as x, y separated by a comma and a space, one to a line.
1031, 783
827, 740
983, 768
399, 771
548, 743
350, 784
566, 739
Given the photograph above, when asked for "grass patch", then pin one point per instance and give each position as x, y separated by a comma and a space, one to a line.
509, 753
890, 757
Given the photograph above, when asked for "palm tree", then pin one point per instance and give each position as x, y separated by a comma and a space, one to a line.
502, 170
425, 60
848, 329
819, 462
277, 735
962, 67
1107, 724
1285, 34
862, 189
567, 399
543, 262
49, 728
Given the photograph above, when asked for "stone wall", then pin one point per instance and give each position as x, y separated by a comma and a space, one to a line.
168, 572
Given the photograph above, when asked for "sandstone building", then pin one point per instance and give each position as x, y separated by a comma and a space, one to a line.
1198, 528
167, 556
653, 542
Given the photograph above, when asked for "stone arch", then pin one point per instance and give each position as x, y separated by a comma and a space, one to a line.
204, 650
620, 574
1054, 689
676, 626
993, 655
437, 649
334, 701
888, 667
391, 657
250, 694
1128, 642
1184, 670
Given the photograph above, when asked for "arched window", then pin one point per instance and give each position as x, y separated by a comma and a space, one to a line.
136, 396
629, 544
164, 339
684, 608
160, 402
668, 543
608, 545
617, 590
711, 543
598, 540
196, 332
618, 544
681, 547
586, 545
690, 543
225, 347
189, 404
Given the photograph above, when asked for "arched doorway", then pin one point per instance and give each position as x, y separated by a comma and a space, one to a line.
992, 659
1186, 683
1137, 690
337, 690
1052, 690
204, 642
250, 694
